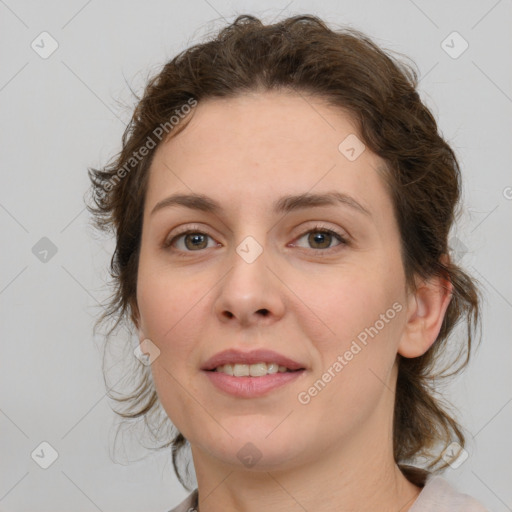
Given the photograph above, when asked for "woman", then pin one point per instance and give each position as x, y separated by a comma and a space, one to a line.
282, 204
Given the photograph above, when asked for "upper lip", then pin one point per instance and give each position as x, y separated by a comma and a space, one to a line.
233, 356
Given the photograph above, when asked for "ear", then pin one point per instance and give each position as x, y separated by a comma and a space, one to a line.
425, 313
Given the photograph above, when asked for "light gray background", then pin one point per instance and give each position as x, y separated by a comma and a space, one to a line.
62, 114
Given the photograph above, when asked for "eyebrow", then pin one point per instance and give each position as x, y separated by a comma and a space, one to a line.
284, 204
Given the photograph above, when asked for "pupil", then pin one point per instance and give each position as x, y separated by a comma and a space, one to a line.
320, 238
195, 237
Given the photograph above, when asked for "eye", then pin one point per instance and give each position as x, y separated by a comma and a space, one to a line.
321, 238
193, 240
189, 241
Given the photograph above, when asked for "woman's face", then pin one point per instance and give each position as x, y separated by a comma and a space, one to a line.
261, 273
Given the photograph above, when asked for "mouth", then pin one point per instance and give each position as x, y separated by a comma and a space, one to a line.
245, 381
260, 369
256, 363
253, 374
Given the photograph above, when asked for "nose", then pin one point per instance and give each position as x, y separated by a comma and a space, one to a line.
251, 292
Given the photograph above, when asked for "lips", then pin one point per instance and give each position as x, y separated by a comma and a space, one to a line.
233, 356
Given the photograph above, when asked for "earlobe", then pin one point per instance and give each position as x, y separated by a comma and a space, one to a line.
425, 314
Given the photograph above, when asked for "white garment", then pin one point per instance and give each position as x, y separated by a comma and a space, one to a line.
438, 495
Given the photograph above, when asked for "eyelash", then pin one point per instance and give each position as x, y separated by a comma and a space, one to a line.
197, 230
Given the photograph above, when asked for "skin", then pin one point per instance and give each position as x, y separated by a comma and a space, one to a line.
335, 452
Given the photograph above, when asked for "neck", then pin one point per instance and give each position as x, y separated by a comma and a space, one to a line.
357, 477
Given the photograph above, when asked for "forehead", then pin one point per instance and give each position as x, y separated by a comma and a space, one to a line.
260, 145
253, 126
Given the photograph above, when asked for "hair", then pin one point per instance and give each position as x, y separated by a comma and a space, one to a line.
347, 69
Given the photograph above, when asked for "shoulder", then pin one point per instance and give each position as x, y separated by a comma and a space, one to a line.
189, 504
439, 495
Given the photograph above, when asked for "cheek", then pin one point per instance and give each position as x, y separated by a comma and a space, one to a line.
355, 364
166, 300
171, 310
354, 313
338, 304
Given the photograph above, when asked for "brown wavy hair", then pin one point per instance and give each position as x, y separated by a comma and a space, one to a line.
347, 69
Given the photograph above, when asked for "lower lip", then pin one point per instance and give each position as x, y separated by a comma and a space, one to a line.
251, 387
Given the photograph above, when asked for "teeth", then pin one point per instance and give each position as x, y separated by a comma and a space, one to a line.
253, 370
